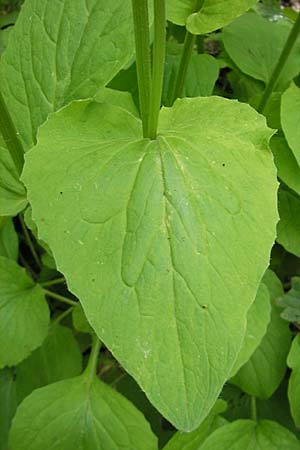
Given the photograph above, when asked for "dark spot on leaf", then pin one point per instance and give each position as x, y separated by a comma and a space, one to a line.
204, 306
223, 165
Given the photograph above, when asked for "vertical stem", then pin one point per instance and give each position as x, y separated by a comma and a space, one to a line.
253, 408
159, 48
143, 61
280, 64
29, 242
188, 46
93, 359
187, 52
8, 131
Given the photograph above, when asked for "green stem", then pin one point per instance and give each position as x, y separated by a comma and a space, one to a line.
159, 50
60, 298
253, 408
93, 360
29, 242
63, 315
143, 60
10, 136
189, 43
280, 64
53, 282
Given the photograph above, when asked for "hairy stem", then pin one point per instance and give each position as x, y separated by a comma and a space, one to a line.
159, 47
10, 136
280, 64
253, 408
93, 359
53, 282
143, 60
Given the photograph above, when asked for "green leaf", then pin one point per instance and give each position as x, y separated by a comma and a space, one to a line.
61, 50
80, 321
24, 314
202, 74
288, 227
209, 17
258, 318
122, 99
293, 362
9, 243
12, 192
8, 404
286, 163
77, 413
291, 302
264, 371
148, 221
290, 116
255, 44
58, 358
192, 441
250, 435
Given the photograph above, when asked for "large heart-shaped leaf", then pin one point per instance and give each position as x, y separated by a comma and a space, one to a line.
206, 16
159, 238
62, 50
294, 381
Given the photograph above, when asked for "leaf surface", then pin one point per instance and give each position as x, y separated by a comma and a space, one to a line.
250, 435
288, 227
8, 404
78, 414
294, 380
147, 220
9, 243
255, 44
264, 371
258, 318
61, 50
58, 358
290, 116
286, 163
24, 314
209, 17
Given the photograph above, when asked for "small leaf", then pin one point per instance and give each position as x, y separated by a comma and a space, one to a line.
24, 314
80, 321
294, 381
264, 371
288, 227
58, 358
12, 192
290, 116
258, 319
291, 303
138, 228
78, 414
286, 163
255, 44
8, 404
250, 435
83, 46
9, 243
209, 17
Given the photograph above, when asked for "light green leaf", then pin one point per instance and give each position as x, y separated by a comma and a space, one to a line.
193, 440
148, 222
290, 116
80, 321
8, 404
24, 314
12, 192
258, 318
61, 50
264, 371
78, 414
294, 381
122, 99
9, 243
286, 163
255, 43
58, 358
250, 435
209, 17
288, 227
202, 74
